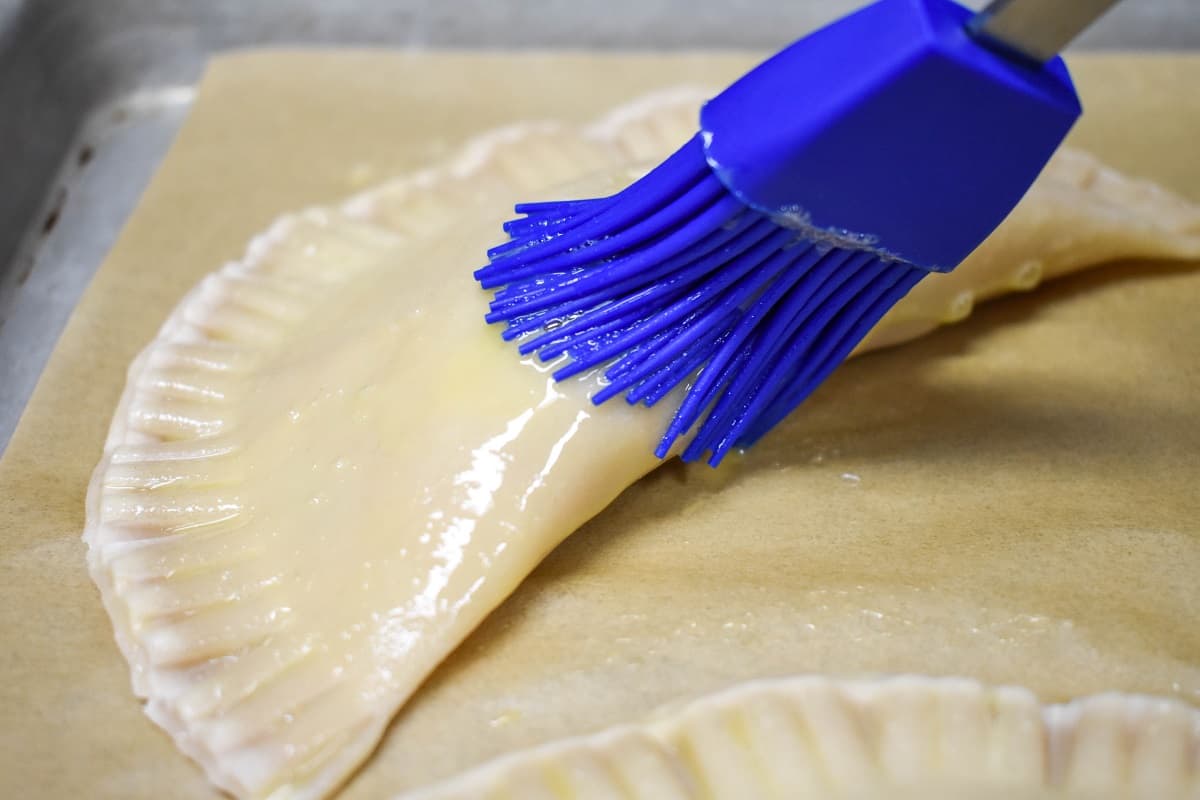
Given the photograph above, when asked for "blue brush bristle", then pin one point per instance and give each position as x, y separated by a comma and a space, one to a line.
673, 280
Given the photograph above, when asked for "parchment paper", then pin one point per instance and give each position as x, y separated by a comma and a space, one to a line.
1024, 484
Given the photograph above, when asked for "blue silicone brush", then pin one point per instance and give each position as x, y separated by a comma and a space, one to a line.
820, 188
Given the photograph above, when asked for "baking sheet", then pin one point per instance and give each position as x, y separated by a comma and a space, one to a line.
1047, 448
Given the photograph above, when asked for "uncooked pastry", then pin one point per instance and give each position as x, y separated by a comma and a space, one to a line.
813, 738
325, 471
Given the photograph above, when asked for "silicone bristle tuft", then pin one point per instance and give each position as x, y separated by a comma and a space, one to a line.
674, 284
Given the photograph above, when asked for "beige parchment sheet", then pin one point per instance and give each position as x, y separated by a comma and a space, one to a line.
1027, 483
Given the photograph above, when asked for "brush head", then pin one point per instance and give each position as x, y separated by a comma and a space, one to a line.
821, 187
893, 127
674, 283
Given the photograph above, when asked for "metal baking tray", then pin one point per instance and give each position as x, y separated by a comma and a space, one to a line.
92, 92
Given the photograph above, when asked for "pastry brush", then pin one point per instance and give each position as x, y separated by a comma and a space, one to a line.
820, 188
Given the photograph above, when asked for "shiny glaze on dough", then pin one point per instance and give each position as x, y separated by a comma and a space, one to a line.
326, 470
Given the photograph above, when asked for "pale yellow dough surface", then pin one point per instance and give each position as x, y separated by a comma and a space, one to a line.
326, 471
905, 738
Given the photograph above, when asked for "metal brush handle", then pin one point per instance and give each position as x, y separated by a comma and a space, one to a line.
1036, 29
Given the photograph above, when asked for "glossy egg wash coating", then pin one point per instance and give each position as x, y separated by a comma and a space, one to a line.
326, 471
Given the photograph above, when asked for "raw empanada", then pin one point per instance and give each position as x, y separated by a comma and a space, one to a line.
326, 470
903, 737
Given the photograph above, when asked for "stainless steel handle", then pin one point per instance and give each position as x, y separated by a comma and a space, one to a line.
1036, 29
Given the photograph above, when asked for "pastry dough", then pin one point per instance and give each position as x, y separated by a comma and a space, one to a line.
325, 471
905, 737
